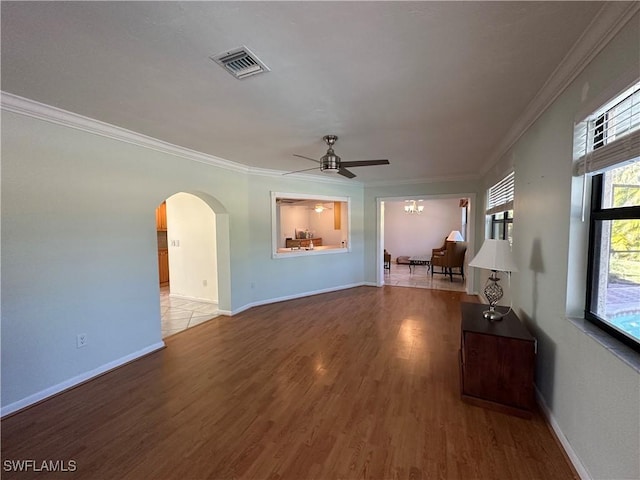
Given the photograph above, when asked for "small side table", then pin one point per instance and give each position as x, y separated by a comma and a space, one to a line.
497, 362
419, 260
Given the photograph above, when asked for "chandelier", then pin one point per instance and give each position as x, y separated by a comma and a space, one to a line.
411, 206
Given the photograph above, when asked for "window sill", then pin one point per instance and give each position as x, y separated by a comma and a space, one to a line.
619, 349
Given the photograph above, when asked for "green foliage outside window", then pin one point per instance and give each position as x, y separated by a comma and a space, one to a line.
625, 234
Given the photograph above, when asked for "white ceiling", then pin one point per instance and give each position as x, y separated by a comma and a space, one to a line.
432, 86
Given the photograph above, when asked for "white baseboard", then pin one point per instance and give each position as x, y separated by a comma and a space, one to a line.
573, 457
192, 299
77, 380
294, 296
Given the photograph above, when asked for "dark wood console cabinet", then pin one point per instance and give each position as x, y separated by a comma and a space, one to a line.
497, 362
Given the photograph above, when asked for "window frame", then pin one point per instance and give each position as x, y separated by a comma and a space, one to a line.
599, 215
602, 153
505, 221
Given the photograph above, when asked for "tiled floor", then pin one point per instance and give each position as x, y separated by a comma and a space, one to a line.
178, 314
400, 276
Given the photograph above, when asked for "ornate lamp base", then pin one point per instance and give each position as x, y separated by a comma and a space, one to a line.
492, 315
493, 293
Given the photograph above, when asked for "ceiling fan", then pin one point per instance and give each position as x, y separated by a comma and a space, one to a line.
331, 163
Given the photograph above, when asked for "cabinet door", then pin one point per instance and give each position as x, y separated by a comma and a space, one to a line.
161, 217
163, 266
499, 369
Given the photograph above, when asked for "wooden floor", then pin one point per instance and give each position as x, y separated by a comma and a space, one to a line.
361, 383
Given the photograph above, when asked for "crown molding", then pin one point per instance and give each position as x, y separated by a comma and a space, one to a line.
24, 106
611, 18
419, 181
31, 108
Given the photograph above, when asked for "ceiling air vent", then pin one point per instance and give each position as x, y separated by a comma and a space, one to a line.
240, 62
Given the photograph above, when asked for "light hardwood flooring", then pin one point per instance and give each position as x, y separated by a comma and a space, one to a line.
355, 384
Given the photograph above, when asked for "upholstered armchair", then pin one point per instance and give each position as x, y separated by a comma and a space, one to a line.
440, 251
452, 257
437, 253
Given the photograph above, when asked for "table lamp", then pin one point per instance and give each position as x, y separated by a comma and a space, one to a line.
455, 236
495, 255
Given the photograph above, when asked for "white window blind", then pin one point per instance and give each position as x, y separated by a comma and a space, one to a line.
609, 136
500, 196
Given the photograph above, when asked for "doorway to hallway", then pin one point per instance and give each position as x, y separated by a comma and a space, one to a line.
187, 262
414, 226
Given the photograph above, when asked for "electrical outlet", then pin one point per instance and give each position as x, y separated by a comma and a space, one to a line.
204, 283
81, 340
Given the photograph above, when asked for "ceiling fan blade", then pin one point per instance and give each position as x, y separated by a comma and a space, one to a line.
307, 158
298, 171
345, 173
364, 163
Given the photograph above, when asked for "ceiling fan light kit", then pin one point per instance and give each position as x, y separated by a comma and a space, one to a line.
332, 163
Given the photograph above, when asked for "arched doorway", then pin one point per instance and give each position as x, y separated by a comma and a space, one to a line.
189, 260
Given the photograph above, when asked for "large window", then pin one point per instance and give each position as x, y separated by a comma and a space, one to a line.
611, 148
500, 209
613, 292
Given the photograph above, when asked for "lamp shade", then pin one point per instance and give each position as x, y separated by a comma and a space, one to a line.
455, 236
495, 255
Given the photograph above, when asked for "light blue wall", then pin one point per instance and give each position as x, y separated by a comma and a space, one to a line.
285, 277
591, 393
79, 251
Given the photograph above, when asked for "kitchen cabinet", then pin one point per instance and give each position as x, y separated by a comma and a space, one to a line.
161, 217
163, 265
